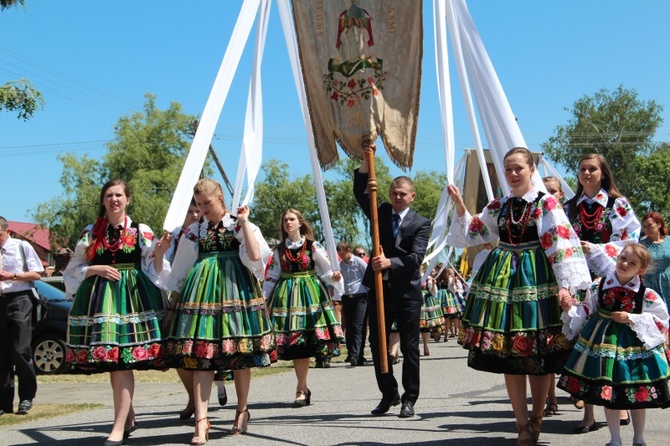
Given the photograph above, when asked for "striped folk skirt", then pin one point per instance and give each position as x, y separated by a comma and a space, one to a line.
115, 325
303, 318
511, 322
220, 321
610, 367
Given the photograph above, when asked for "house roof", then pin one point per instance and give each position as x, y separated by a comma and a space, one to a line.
31, 232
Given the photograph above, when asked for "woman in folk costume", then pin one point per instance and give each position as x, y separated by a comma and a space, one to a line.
114, 322
219, 322
604, 222
620, 360
432, 318
511, 323
300, 306
450, 308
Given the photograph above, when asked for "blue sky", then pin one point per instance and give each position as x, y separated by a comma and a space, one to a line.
95, 60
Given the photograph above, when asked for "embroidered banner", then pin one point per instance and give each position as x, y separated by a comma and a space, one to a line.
361, 63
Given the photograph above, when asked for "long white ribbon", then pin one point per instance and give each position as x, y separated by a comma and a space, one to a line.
251, 154
210, 116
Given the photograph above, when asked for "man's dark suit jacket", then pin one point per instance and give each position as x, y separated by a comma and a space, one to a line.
406, 251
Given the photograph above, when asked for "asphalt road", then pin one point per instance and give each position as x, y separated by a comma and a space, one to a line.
457, 406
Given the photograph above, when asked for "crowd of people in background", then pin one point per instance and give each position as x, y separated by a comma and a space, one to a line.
560, 295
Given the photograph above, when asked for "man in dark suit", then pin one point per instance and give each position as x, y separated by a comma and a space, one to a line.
403, 236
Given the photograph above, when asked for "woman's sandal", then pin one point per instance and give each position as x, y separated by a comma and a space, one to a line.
528, 441
550, 409
579, 404
535, 424
240, 428
196, 440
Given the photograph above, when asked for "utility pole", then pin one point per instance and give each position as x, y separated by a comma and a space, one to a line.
212, 152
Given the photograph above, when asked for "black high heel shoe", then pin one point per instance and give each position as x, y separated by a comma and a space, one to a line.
130, 430
304, 401
186, 414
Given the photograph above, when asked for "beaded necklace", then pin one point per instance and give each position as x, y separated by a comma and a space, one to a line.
299, 256
114, 245
523, 222
590, 221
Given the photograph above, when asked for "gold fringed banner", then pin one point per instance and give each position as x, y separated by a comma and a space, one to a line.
361, 62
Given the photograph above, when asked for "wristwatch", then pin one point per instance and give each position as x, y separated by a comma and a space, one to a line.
15, 277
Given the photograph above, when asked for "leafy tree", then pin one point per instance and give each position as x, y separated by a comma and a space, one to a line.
428, 187
5, 4
277, 193
652, 189
147, 152
616, 124
19, 96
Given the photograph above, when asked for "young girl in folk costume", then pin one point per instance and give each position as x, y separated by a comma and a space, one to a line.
511, 323
114, 322
620, 360
447, 299
604, 222
432, 318
300, 306
219, 321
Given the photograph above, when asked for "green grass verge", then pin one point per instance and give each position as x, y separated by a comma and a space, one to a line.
46, 411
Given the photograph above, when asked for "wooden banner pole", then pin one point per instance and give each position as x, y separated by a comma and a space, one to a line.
374, 225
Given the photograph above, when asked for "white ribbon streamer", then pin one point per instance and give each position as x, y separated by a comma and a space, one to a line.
251, 154
210, 117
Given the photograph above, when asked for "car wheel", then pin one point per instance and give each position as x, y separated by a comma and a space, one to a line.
49, 355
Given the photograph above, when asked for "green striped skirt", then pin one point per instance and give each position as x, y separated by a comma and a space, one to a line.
511, 322
115, 325
220, 320
610, 367
303, 318
432, 316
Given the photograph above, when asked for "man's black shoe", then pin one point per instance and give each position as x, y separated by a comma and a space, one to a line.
407, 410
24, 407
6, 410
384, 405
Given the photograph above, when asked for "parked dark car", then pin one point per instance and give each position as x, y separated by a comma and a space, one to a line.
56, 281
50, 331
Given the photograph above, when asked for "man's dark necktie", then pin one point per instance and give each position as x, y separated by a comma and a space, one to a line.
396, 224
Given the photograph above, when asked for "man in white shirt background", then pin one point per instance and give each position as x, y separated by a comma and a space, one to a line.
19, 266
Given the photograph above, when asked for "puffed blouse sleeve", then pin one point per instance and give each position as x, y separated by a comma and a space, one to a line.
147, 245
272, 275
323, 268
75, 271
257, 267
650, 325
431, 286
575, 318
561, 245
625, 229
471, 231
184, 258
